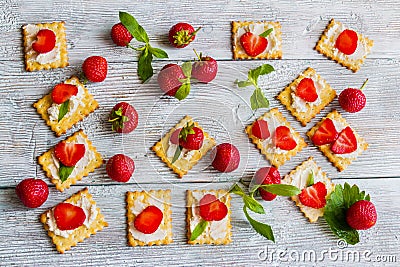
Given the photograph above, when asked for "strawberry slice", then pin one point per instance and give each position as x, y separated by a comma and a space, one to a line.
345, 143
69, 153
253, 44
283, 138
314, 196
45, 41
148, 220
68, 216
347, 42
175, 136
306, 90
212, 209
326, 133
260, 129
63, 92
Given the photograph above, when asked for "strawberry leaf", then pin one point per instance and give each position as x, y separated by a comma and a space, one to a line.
158, 53
198, 230
263, 229
176, 154
133, 27
145, 70
183, 91
258, 100
63, 110
64, 172
266, 33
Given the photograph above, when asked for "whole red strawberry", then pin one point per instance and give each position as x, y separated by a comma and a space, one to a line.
361, 215
204, 69
32, 192
168, 78
120, 35
353, 100
45, 41
120, 168
226, 157
267, 175
124, 118
95, 68
191, 137
182, 34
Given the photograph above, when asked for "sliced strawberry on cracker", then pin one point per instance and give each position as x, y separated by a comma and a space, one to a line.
45, 41
347, 42
148, 220
283, 138
260, 129
175, 136
63, 92
212, 209
69, 153
345, 143
326, 133
253, 44
306, 90
314, 196
68, 216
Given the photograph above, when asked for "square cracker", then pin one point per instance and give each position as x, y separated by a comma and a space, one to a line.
326, 46
237, 49
30, 31
340, 163
299, 178
182, 165
66, 123
159, 198
276, 159
80, 233
193, 197
47, 160
327, 94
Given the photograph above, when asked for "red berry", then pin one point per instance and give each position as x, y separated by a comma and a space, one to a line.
124, 118
306, 90
63, 92
175, 136
120, 168
69, 153
253, 44
361, 215
347, 42
181, 35
345, 143
32, 192
205, 69
314, 196
69, 216
260, 129
168, 78
267, 175
353, 100
148, 220
212, 209
226, 157
95, 68
120, 35
283, 138
326, 133
192, 141
45, 41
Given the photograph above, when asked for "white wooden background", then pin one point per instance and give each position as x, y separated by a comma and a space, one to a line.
222, 109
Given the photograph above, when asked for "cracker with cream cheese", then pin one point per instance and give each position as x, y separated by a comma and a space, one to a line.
136, 203
90, 161
267, 147
299, 177
326, 46
216, 232
339, 161
88, 105
183, 164
94, 222
274, 48
305, 111
57, 58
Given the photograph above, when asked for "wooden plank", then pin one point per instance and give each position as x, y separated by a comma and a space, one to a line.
28, 244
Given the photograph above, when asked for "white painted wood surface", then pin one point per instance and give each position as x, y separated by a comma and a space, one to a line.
222, 109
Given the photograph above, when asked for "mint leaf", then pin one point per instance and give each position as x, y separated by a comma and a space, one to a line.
310, 181
198, 230
177, 154
183, 91
263, 229
261, 70
145, 70
63, 110
258, 100
266, 33
187, 69
285, 190
253, 204
64, 172
335, 211
158, 53
133, 27
236, 189
242, 84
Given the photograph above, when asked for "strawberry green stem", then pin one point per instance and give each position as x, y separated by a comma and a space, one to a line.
362, 87
197, 55
194, 33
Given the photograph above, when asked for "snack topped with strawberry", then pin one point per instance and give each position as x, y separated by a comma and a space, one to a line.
182, 34
306, 90
68, 216
353, 100
347, 41
254, 44
314, 195
68, 155
191, 137
283, 138
123, 117
45, 41
148, 220
204, 69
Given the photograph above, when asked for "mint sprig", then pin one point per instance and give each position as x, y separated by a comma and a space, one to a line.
184, 89
335, 211
257, 99
64, 172
63, 110
198, 230
145, 70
